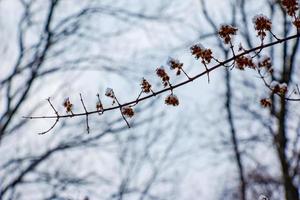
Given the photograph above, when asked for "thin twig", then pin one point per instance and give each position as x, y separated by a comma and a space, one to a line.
206, 68
56, 120
274, 35
185, 74
233, 54
120, 107
138, 98
86, 114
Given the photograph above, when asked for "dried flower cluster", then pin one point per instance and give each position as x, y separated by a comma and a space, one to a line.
127, 111
110, 93
291, 6
175, 65
99, 105
172, 100
68, 105
278, 88
261, 25
200, 52
146, 86
296, 22
265, 102
226, 32
244, 61
160, 72
265, 62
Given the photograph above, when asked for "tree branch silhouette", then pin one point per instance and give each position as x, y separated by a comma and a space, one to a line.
172, 87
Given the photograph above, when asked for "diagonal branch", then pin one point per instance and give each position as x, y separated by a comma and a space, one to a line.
220, 64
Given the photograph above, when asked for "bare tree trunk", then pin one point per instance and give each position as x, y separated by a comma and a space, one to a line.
234, 139
291, 191
281, 138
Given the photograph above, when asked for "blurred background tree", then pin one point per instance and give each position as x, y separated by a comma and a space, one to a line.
54, 48
265, 143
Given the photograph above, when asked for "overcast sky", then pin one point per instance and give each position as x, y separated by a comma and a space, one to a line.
121, 49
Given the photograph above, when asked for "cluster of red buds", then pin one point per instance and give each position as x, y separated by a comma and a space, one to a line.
265, 62
226, 32
296, 22
172, 100
244, 61
146, 86
205, 54
200, 52
291, 7
278, 88
68, 105
127, 111
99, 105
265, 102
262, 24
160, 72
110, 93
175, 65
